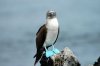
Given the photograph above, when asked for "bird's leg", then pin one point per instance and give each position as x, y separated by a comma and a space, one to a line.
52, 46
45, 47
55, 50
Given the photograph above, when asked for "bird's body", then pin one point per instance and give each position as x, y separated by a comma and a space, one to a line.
46, 35
52, 31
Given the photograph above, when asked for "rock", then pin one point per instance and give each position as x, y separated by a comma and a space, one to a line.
64, 58
97, 63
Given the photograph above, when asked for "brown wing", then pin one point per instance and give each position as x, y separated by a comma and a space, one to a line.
40, 29
40, 39
41, 36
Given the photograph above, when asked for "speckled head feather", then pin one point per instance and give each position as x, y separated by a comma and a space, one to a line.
51, 14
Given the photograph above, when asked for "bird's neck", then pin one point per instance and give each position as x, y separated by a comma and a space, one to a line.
52, 23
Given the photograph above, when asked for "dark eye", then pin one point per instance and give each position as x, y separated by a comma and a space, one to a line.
49, 14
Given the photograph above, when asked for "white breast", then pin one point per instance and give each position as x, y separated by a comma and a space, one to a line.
52, 31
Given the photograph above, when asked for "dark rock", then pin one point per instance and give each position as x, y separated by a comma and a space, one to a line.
97, 63
46, 61
64, 58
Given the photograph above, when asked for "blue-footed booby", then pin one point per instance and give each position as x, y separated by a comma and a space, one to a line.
47, 35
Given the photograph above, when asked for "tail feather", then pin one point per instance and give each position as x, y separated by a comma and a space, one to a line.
38, 55
34, 56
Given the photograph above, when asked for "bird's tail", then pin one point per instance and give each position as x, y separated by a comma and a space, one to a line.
38, 55
34, 56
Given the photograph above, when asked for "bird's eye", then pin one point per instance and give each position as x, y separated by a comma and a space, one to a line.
49, 14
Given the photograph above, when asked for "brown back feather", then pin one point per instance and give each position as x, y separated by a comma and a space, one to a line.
40, 39
41, 36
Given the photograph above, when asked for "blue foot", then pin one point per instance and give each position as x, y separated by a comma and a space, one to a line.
51, 53
56, 51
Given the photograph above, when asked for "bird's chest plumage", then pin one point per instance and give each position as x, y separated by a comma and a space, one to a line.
51, 37
52, 32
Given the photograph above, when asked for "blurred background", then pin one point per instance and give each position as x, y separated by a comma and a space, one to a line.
20, 20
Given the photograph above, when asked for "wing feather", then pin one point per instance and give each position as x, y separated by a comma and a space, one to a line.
41, 36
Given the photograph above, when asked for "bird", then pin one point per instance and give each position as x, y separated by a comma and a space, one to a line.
47, 35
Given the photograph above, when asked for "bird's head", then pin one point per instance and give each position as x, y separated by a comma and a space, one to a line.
51, 14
